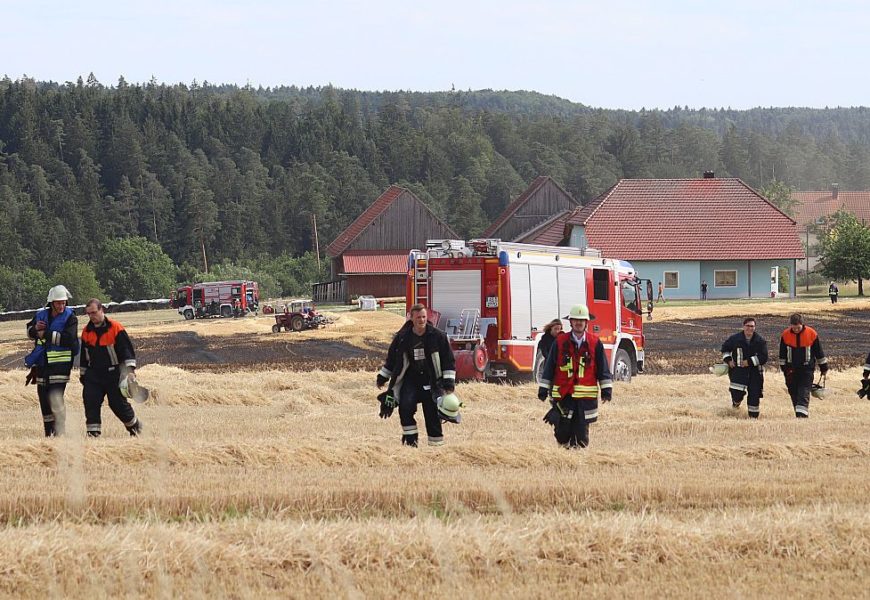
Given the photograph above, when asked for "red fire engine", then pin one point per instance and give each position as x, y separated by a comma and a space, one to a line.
493, 298
216, 299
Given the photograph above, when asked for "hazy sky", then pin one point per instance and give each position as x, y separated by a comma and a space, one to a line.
607, 53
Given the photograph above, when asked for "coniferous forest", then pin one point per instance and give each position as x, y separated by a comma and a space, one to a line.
219, 175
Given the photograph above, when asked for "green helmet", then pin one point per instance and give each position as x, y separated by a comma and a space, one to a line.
448, 407
818, 391
580, 311
719, 369
132, 390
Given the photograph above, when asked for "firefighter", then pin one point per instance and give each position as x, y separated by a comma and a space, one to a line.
864, 392
745, 353
419, 368
575, 370
106, 353
54, 330
799, 351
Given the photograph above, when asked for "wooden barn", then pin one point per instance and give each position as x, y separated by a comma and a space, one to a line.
370, 257
542, 202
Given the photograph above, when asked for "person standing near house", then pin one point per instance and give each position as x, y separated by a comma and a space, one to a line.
745, 353
833, 292
420, 368
575, 371
799, 351
704, 289
54, 331
661, 296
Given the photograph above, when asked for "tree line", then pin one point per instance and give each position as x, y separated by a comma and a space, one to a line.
223, 179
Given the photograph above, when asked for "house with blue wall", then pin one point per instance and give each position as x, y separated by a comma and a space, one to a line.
684, 232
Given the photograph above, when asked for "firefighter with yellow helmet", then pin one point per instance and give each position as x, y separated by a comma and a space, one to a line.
575, 371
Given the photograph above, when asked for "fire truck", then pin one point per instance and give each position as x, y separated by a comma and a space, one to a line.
493, 299
216, 299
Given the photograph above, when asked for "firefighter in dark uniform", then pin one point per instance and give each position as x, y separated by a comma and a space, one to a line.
799, 351
575, 370
55, 331
745, 353
864, 392
106, 353
419, 368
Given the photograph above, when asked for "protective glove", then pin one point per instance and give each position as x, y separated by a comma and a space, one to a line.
543, 393
607, 394
730, 362
31, 377
552, 417
388, 404
823, 368
381, 380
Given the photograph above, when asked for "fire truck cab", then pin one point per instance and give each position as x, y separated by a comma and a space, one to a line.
493, 298
216, 299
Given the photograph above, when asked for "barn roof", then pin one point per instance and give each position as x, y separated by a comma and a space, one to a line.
815, 205
375, 262
521, 200
687, 219
346, 237
549, 233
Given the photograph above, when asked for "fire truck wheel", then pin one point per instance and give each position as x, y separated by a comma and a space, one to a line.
188, 315
276, 328
297, 323
622, 366
481, 359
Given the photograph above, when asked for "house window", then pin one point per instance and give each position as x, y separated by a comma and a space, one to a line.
724, 278
672, 279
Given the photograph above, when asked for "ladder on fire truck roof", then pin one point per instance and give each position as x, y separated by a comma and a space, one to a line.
421, 278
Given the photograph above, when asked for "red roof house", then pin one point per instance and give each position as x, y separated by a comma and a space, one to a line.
370, 257
815, 206
685, 232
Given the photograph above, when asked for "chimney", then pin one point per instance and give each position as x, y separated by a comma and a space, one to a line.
709, 175
835, 190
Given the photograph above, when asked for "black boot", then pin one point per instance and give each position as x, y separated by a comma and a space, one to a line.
135, 429
93, 434
49, 428
410, 440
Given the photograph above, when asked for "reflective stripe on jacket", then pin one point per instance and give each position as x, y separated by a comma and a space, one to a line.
576, 371
801, 350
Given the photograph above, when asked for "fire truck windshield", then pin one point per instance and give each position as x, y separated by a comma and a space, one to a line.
631, 296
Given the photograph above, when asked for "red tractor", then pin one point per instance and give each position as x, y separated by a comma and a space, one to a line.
298, 315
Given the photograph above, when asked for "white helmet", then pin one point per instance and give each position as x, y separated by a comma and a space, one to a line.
130, 388
58, 292
448, 407
719, 369
580, 311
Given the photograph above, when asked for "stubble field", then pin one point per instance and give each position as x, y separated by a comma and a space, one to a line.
266, 481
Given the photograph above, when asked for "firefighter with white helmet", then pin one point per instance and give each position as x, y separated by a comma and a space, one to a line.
745, 354
107, 358
420, 369
54, 331
575, 371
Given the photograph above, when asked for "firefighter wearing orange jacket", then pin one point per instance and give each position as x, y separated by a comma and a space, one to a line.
106, 352
575, 370
799, 351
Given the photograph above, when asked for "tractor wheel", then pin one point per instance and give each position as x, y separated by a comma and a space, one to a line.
188, 315
276, 328
226, 311
622, 366
297, 323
